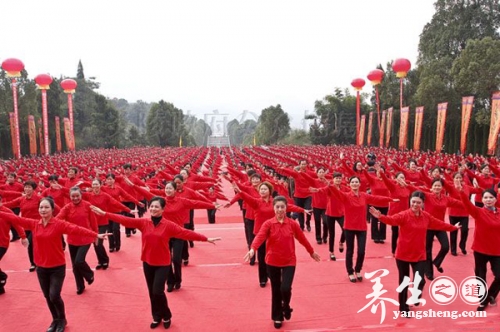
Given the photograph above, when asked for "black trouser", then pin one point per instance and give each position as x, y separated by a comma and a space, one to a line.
249, 236
185, 249
156, 276
404, 271
51, 281
81, 269
330, 221
141, 210
100, 251
3, 275
378, 228
480, 268
261, 256
211, 216
281, 289
361, 243
464, 233
320, 220
29, 236
15, 235
304, 203
445, 247
479, 204
115, 241
131, 206
394, 238
175, 273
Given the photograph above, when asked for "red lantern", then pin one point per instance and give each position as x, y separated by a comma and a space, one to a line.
401, 67
43, 81
376, 76
68, 85
13, 67
358, 84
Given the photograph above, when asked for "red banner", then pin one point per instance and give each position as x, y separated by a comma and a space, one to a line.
495, 123
382, 130
67, 134
467, 103
441, 124
388, 131
58, 135
419, 118
45, 117
13, 133
370, 129
32, 134
403, 128
361, 137
40, 136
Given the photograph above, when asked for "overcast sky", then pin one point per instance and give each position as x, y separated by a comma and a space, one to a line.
214, 55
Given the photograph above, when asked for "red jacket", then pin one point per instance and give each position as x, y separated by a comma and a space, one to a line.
80, 215
155, 249
5, 228
106, 203
412, 233
280, 241
47, 239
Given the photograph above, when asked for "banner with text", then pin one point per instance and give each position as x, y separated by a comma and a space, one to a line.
441, 125
495, 123
467, 103
13, 133
403, 128
388, 130
419, 118
370, 129
32, 133
382, 129
361, 138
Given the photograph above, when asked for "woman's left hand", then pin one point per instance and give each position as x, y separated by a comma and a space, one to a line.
315, 256
212, 240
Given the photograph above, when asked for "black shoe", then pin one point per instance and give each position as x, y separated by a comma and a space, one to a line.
134, 231
170, 288
252, 262
177, 285
61, 326
91, 281
381, 241
80, 291
32, 268
352, 278
439, 268
376, 241
324, 240
154, 325
358, 276
166, 323
53, 326
128, 235
263, 284
429, 276
454, 253
117, 249
2, 290
341, 247
14, 239
287, 313
185, 262
98, 267
308, 227
105, 266
111, 249
332, 257
464, 251
278, 324
191, 244
482, 307
319, 241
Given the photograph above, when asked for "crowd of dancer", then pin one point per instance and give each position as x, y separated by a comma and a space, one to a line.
89, 194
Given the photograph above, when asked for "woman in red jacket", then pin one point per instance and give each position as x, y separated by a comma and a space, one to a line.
485, 243
319, 204
355, 206
78, 212
155, 255
49, 254
279, 234
413, 225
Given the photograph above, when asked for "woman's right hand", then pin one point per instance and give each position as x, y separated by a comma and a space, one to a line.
96, 210
374, 212
249, 255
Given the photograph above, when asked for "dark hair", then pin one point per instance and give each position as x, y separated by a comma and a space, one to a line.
75, 189
320, 168
337, 175
110, 175
489, 191
438, 168
354, 166
12, 174
354, 177
251, 172
458, 173
280, 199
97, 179
53, 177
161, 200
412, 161
172, 183
370, 163
437, 180
127, 166
418, 194
268, 185
398, 174
256, 175
185, 170
31, 184
178, 176
73, 168
248, 165
483, 166
48, 199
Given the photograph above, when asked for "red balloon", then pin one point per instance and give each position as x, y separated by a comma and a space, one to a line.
13, 66
376, 76
43, 80
358, 83
401, 67
68, 84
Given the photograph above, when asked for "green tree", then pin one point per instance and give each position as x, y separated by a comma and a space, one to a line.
106, 125
296, 137
79, 73
273, 125
165, 125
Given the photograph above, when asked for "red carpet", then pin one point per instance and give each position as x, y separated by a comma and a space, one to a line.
221, 293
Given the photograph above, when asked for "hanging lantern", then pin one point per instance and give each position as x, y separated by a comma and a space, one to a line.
375, 76
68, 85
13, 67
358, 84
401, 67
43, 81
